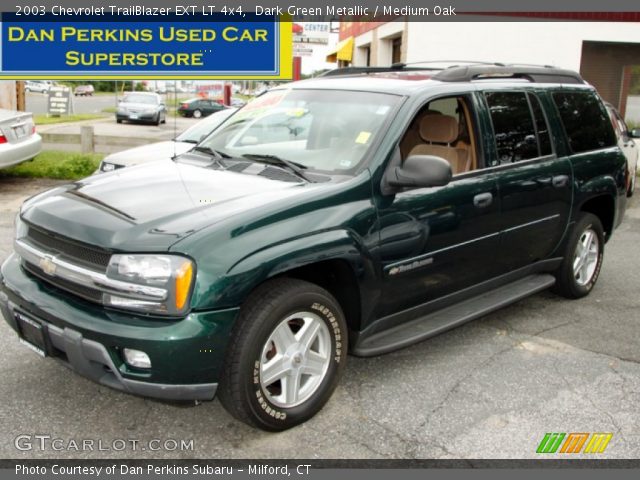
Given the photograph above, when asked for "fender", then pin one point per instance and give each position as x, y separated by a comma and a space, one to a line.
252, 270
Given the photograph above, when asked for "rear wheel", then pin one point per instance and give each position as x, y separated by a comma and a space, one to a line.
287, 351
632, 183
583, 256
197, 114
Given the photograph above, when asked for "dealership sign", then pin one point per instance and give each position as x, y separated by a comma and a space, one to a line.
311, 32
59, 100
105, 47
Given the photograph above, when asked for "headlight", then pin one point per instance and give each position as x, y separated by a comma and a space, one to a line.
122, 110
151, 283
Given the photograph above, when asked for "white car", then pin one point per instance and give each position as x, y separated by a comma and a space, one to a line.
18, 138
169, 149
627, 144
37, 86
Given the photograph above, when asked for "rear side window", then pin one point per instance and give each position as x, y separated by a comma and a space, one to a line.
513, 127
585, 121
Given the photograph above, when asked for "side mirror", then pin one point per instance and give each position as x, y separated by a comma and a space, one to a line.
420, 171
635, 133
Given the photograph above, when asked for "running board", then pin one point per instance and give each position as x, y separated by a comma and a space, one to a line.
451, 317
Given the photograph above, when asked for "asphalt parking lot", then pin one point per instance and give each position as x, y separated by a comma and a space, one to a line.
490, 389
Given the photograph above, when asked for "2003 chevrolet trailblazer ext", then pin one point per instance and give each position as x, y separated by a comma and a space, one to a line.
360, 212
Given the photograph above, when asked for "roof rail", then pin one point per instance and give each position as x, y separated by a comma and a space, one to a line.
396, 67
473, 71
532, 73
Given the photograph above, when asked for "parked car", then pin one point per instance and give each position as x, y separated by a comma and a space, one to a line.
199, 107
358, 212
627, 144
18, 138
166, 150
83, 91
238, 102
142, 107
37, 86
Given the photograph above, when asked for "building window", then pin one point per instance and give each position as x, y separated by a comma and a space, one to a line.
363, 56
396, 50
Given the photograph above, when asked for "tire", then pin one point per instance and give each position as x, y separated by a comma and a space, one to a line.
632, 184
156, 121
275, 316
118, 120
574, 282
197, 114
164, 118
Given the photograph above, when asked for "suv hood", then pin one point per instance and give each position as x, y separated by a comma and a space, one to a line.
150, 207
148, 153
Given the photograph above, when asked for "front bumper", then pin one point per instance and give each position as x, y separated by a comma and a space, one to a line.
137, 117
186, 354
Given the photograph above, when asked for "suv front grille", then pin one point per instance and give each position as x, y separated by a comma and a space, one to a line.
87, 293
72, 251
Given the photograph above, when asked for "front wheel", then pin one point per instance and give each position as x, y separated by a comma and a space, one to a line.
286, 354
632, 183
583, 256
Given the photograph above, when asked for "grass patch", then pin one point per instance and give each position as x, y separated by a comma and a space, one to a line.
109, 110
56, 164
44, 119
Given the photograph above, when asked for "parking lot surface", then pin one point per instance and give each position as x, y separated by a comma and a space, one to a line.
490, 389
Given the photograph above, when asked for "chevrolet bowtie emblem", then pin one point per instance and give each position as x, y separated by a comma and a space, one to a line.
47, 265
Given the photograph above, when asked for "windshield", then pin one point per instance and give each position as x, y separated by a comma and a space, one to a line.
148, 99
204, 127
326, 130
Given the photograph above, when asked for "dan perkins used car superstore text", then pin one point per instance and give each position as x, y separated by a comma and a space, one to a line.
96, 470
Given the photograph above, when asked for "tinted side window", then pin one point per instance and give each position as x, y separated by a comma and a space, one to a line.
542, 129
585, 121
513, 127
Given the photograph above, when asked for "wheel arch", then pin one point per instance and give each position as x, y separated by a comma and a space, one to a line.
334, 260
602, 206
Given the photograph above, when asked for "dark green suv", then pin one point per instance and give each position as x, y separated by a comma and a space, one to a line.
360, 212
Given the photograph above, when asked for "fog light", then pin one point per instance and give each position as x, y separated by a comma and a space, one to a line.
136, 358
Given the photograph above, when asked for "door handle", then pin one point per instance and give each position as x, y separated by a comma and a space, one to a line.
560, 181
483, 200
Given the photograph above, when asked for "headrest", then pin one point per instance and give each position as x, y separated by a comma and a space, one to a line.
439, 128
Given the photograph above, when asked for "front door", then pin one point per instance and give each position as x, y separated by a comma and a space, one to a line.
436, 241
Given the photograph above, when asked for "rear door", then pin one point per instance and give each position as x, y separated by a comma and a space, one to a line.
534, 181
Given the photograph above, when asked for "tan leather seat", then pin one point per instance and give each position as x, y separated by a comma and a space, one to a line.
412, 136
439, 132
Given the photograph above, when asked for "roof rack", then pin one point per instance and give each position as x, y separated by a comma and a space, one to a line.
473, 71
532, 73
396, 67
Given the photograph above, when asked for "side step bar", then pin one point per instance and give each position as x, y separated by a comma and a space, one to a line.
451, 317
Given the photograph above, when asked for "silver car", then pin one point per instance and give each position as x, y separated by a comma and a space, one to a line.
142, 107
18, 138
629, 147
169, 149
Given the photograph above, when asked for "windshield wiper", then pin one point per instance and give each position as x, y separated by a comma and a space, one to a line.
294, 167
215, 154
